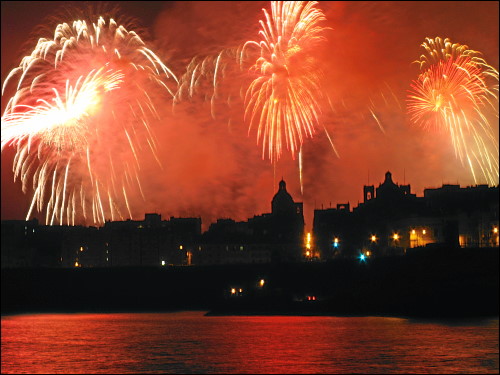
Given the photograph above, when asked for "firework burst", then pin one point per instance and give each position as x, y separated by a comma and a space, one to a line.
283, 99
457, 91
208, 78
80, 118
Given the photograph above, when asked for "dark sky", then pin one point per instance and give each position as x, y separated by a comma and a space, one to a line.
212, 167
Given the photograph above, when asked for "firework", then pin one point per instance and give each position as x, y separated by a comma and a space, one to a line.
80, 118
283, 99
204, 77
457, 91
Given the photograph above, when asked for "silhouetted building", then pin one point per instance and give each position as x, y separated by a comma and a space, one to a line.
287, 218
391, 220
151, 242
271, 237
19, 247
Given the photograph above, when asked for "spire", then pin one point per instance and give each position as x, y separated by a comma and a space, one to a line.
388, 178
282, 184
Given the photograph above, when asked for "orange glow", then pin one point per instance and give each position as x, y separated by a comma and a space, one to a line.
368, 253
373, 238
424, 231
233, 291
395, 236
308, 243
261, 282
76, 264
413, 231
495, 230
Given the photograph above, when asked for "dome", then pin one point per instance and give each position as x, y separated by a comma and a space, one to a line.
282, 201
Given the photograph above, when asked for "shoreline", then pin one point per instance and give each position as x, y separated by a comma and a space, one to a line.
454, 283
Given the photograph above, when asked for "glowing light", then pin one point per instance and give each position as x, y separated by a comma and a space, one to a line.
233, 291
457, 91
283, 99
395, 237
162, 262
262, 282
424, 231
80, 119
362, 257
368, 253
373, 238
495, 230
413, 231
76, 264
308, 242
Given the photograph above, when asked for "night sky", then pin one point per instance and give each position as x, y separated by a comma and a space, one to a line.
213, 168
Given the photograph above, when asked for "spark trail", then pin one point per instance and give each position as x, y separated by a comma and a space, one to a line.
283, 100
80, 119
457, 92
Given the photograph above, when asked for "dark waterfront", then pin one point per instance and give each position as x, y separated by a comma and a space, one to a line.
435, 283
188, 342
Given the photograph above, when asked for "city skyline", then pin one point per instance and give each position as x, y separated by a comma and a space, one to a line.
213, 168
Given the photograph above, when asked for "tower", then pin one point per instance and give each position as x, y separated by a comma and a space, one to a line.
368, 193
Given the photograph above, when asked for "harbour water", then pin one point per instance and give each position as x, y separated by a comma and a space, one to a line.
189, 342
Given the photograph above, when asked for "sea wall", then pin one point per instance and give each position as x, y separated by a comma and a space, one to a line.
429, 282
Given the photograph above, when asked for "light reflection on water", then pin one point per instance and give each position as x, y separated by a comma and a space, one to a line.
188, 342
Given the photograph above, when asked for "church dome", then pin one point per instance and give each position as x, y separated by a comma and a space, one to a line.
282, 201
388, 189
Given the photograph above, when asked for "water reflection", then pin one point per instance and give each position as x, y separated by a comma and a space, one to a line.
188, 342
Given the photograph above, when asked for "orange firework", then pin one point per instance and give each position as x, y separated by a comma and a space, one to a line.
283, 99
457, 91
80, 116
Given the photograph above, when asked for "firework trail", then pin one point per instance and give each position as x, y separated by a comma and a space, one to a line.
80, 119
283, 99
283, 95
457, 91
205, 78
